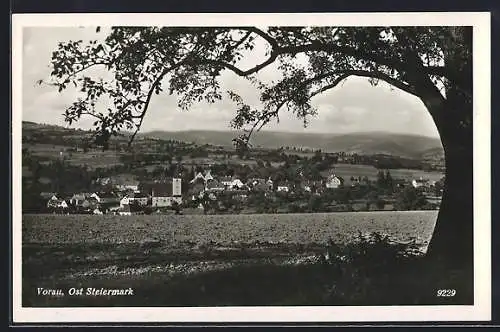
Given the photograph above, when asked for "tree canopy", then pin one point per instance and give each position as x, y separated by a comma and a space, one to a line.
424, 61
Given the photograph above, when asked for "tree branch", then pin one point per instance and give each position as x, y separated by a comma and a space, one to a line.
264, 35
358, 53
149, 96
344, 74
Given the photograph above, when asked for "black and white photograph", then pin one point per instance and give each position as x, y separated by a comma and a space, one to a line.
251, 167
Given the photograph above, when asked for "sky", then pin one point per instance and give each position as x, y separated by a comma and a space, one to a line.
354, 106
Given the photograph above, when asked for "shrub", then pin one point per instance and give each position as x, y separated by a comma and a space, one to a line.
373, 270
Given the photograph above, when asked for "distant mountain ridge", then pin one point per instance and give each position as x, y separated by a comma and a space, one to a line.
404, 145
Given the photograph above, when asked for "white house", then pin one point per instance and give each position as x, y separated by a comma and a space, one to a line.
282, 188
202, 178
57, 203
417, 183
129, 186
78, 199
136, 197
231, 182
226, 181
237, 183
333, 182
124, 201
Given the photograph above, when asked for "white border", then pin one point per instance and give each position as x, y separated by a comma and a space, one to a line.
481, 311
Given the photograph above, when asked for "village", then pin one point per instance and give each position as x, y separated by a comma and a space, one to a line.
160, 176
209, 193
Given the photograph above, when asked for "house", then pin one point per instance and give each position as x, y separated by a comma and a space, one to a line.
90, 204
226, 181
254, 181
128, 186
57, 204
237, 183
78, 199
197, 178
123, 182
138, 198
106, 198
418, 183
163, 193
333, 182
231, 182
124, 201
215, 186
283, 188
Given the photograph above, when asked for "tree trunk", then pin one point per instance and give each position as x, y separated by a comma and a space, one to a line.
453, 235
452, 241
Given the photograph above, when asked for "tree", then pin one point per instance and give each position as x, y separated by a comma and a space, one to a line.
315, 204
388, 180
431, 63
381, 181
410, 199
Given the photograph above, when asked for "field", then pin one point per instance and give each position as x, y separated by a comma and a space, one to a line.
175, 230
217, 260
348, 170
93, 158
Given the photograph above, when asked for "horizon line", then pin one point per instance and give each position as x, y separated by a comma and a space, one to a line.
229, 130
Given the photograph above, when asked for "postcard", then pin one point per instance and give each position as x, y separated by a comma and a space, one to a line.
251, 168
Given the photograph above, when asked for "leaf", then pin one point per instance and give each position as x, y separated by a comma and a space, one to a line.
98, 29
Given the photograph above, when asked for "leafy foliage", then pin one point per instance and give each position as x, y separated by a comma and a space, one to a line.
428, 62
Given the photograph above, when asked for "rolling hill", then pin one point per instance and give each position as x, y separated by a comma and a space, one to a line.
410, 146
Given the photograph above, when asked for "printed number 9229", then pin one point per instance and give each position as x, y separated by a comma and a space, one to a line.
446, 292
